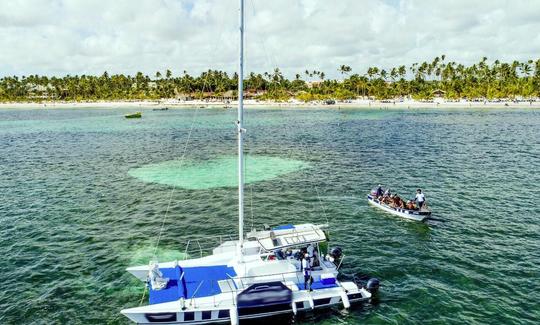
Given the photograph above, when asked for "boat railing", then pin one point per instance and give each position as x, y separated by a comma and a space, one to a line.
232, 236
203, 245
312, 228
236, 285
298, 234
247, 281
340, 262
195, 293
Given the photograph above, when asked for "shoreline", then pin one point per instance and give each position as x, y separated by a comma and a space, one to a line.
375, 104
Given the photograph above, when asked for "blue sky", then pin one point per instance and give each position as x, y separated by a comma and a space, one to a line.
57, 37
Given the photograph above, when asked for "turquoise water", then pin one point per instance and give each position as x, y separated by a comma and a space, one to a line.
217, 172
73, 218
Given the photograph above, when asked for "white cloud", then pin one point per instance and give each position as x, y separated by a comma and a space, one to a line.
124, 36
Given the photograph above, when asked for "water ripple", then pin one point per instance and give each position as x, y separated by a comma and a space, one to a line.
73, 219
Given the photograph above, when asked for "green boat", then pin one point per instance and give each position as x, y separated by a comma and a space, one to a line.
134, 115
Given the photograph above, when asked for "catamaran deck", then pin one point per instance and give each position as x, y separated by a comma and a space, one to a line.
189, 282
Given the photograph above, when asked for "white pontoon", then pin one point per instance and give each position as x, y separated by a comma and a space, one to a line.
266, 280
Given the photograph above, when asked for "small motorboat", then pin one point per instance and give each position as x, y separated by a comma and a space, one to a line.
416, 215
133, 115
161, 109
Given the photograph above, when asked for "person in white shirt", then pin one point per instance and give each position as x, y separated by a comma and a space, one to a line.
310, 250
420, 198
306, 267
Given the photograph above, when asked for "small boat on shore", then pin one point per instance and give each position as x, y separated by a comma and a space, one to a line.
133, 115
410, 214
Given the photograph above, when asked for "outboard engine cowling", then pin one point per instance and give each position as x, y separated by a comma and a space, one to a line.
336, 253
373, 285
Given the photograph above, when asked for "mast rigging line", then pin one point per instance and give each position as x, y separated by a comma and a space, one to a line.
206, 83
174, 187
272, 62
184, 151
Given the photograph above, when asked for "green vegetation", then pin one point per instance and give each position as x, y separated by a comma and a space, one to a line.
419, 81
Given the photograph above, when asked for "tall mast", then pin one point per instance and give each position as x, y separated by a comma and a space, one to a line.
241, 132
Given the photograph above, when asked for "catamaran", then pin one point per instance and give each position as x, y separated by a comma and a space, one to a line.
278, 270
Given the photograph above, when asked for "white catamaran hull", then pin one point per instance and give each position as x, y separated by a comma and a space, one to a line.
220, 288
226, 312
404, 213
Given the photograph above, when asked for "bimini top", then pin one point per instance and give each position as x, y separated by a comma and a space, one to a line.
289, 235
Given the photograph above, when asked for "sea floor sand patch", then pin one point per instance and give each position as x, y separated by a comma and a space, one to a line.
143, 255
215, 173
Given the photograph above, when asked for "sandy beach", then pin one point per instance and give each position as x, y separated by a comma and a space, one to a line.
358, 103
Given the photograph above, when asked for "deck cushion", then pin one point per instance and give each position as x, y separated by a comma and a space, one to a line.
197, 282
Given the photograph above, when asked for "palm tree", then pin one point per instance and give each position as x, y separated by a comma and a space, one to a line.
383, 74
372, 71
496, 80
344, 69
525, 69
394, 74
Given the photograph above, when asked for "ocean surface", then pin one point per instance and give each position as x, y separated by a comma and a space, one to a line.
85, 193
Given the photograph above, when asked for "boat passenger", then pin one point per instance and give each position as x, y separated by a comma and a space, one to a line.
386, 193
410, 205
279, 254
420, 198
274, 239
379, 190
310, 250
306, 267
398, 202
289, 252
298, 255
389, 200
315, 260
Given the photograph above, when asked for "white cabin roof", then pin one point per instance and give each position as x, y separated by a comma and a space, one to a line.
289, 235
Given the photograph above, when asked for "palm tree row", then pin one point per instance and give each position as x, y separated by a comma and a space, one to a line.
420, 81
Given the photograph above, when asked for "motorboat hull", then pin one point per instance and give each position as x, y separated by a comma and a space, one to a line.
403, 213
134, 115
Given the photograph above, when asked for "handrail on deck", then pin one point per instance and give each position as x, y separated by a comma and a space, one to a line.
200, 248
194, 293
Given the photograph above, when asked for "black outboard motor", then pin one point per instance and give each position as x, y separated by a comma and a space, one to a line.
373, 285
336, 253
